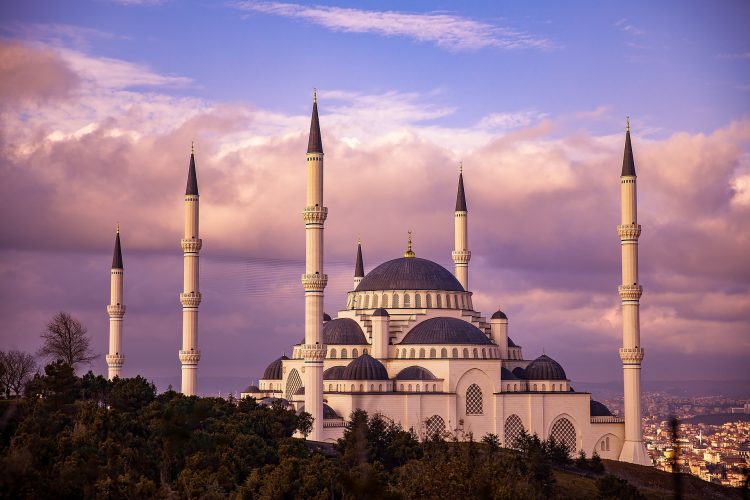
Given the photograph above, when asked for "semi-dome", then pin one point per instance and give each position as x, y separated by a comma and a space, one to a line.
519, 373
328, 412
545, 368
365, 367
251, 388
326, 317
334, 373
415, 373
344, 331
599, 410
499, 315
409, 273
506, 374
444, 330
380, 312
273, 371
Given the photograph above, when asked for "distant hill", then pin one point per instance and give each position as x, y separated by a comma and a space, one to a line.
717, 418
690, 388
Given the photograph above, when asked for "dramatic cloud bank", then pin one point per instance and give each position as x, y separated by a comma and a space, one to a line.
82, 150
444, 30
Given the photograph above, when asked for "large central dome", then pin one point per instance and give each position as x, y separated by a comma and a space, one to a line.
409, 273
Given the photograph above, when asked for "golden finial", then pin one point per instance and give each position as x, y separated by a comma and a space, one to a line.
359, 239
118, 227
460, 167
409, 252
627, 124
315, 95
192, 147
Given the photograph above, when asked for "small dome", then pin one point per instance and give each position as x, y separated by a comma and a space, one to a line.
380, 312
328, 412
326, 317
365, 367
251, 388
344, 331
415, 373
506, 374
599, 410
273, 371
334, 373
409, 273
519, 373
443, 330
545, 368
499, 315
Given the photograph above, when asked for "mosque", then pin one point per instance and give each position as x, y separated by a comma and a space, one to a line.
410, 345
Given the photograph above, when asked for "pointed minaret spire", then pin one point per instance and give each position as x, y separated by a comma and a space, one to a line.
461, 254
628, 165
192, 181
315, 142
116, 311
460, 195
359, 266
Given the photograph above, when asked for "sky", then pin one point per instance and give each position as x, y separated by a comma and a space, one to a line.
100, 101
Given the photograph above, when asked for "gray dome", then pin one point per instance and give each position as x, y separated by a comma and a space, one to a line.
334, 373
506, 374
273, 371
499, 315
511, 343
598, 409
519, 373
365, 367
328, 412
251, 388
415, 373
344, 331
380, 312
545, 368
410, 273
443, 330
326, 317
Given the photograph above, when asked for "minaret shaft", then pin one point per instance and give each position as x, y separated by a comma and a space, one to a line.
630, 291
116, 310
190, 298
314, 280
461, 254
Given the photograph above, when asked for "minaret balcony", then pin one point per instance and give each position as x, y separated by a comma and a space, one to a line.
190, 357
192, 245
461, 256
314, 282
116, 310
315, 215
191, 299
630, 292
313, 352
115, 360
629, 231
631, 355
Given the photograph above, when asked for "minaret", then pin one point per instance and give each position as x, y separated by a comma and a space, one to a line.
461, 254
191, 295
631, 354
359, 267
116, 310
314, 280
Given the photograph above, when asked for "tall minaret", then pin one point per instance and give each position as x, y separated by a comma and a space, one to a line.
116, 310
191, 295
633, 449
359, 266
314, 280
461, 254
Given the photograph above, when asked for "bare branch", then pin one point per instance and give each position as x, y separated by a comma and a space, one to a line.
66, 339
16, 370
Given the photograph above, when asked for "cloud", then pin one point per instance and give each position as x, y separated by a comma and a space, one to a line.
543, 204
444, 30
33, 74
629, 28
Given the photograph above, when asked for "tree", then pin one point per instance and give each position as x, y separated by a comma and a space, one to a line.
66, 339
16, 369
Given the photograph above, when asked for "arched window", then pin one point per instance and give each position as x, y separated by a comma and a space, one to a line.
372, 387
429, 301
608, 443
364, 351
466, 352
534, 386
484, 354
474, 403
375, 301
352, 387
432, 353
434, 387
330, 387
434, 426
412, 353
476, 353
343, 353
544, 387
355, 353
367, 301
407, 300
455, 352
409, 387
443, 352
333, 353
380, 387
515, 387
402, 387
417, 301
293, 382
513, 428
361, 387
564, 432
417, 387
395, 300
601, 445
421, 353
439, 302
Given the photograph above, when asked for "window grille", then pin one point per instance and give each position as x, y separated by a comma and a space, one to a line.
513, 428
564, 432
474, 401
